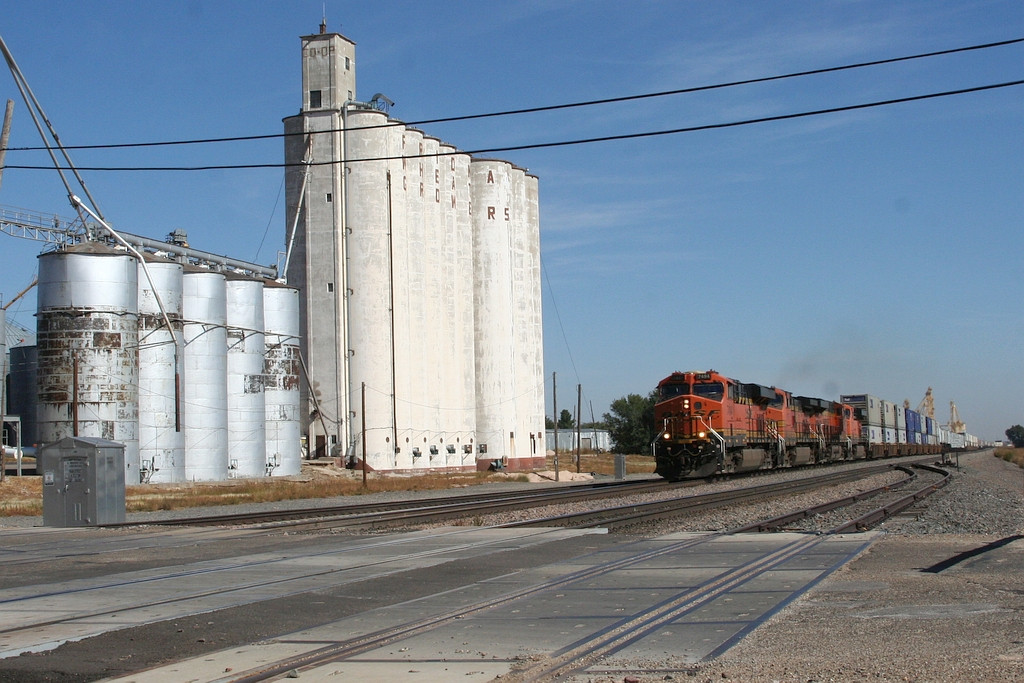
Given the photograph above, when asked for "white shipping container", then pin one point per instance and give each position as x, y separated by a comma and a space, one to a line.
870, 407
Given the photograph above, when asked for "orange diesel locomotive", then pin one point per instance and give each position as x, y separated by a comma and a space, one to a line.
711, 424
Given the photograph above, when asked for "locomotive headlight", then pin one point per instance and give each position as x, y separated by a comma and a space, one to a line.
686, 403
702, 434
667, 435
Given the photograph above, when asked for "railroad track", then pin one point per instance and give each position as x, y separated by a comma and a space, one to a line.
317, 661
611, 639
626, 515
198, 590
475, 507
870, 509
390, 513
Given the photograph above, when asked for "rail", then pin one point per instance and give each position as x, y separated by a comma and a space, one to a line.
883, 513
416, 510
625, 515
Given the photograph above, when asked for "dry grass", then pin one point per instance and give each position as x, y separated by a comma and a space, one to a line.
316, 482
1014, 455
24, 496
21, 496
603, 463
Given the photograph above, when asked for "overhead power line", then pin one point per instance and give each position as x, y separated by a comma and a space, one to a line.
562, 143
557, 107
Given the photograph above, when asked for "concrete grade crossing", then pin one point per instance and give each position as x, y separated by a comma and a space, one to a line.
44, 616
681, 597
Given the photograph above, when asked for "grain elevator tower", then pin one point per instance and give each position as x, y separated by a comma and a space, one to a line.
317, 251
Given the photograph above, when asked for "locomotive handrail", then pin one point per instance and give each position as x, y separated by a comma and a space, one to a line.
773, 431
654, 444
718, 437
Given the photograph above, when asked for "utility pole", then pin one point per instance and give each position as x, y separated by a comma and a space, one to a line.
579, 416
363, 413
554, 407
5, 135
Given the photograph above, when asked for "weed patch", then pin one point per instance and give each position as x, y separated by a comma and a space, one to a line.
1014, 455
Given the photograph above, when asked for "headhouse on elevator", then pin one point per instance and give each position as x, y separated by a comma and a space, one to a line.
419, 272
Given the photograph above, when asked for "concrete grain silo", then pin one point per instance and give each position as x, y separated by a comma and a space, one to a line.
414, 304
401, 349
465, 335
87, 339
371, 333
282, 370
535, 353
491, 189
204, 387
529, 443
161, 439
448, 384
246, 405
435, 342
413, 252
457, 302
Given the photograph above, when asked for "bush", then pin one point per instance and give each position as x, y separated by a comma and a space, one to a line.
1014, 455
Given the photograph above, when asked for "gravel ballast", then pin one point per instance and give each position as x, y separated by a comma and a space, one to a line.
938, 598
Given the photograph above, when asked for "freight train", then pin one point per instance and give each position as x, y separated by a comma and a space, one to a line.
710, 424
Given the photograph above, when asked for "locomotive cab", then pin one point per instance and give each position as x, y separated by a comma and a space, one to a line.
689, 415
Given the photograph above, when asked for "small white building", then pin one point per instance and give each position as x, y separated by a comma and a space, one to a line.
591, 440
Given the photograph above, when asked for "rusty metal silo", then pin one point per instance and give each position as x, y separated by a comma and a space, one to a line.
87, 339
282, 370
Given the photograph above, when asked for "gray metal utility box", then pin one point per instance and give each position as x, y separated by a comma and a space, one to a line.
83, 482
620, 466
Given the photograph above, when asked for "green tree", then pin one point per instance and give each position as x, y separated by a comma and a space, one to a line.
1016, 435
548, 423
631, 423
565, 420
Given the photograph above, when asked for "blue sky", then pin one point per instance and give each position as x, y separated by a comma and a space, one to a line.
872, 251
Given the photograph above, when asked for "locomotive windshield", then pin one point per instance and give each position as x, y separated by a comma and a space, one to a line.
670, 390
709, 390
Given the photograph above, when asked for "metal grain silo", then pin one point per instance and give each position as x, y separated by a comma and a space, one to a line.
371, 333
23, 396
161, 439
87, 339
204, 384
282, 371
246, 407
492, 296
3, 360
